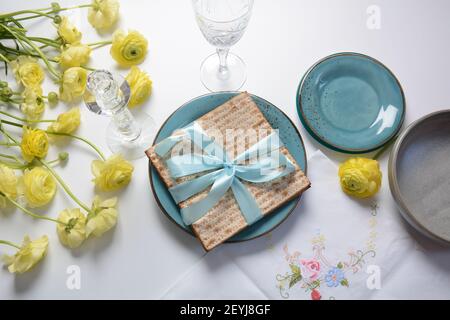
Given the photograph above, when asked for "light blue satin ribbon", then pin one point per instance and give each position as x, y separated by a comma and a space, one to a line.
222, 172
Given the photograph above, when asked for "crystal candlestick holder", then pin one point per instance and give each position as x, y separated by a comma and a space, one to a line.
109, 94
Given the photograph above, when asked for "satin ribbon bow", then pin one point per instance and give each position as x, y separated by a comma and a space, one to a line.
224, 173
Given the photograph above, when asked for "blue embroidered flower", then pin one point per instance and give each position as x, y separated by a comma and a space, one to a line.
334, 277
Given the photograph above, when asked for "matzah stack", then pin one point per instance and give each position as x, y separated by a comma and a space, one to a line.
225, 219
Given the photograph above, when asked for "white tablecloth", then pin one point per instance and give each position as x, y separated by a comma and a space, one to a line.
331, 247
146, 253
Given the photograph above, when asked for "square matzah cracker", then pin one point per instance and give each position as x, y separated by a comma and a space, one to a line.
225, 219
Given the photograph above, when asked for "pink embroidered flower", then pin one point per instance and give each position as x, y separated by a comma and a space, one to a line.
310, 269
315, 295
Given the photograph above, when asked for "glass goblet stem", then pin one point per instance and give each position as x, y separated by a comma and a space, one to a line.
126, 125
223, 65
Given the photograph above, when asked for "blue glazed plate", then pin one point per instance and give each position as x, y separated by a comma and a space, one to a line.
351, 103
195, 109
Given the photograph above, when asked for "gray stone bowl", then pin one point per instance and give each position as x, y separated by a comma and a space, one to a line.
419, 175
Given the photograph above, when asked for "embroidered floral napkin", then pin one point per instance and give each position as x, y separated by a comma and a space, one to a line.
331, 247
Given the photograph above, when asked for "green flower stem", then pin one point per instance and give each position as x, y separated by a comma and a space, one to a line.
8, 135
31, 214
4, 58
77, 7
15, 13
31, 17
11, 124
99, 44
7, 156
14, 165
46, 41
20, 166
56, 161
8, 144
11, 244
39, 13
24, 120
93, 146
15, 102
53, 172
36, 12
43, 46
20, 52
35, 48
89, 143
44, 58
64, 185
17, 38
88, 68
17, 29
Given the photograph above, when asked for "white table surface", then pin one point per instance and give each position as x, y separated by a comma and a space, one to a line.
146, 253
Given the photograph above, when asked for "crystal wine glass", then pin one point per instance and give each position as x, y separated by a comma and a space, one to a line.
109, 94
223, 23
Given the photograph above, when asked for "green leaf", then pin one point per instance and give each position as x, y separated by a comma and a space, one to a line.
295, 269
296, 277
344, 282
315, 283
340, 265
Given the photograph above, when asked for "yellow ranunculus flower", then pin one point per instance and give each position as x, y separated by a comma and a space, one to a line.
140, 86
73, 234
34, 144
112, 174
28, 71
74, 55
103, 13
103, 216
68, 32
33, 105
8, 184
128, 49
66, 122
360, 177
38, 186
73, 84
28, 255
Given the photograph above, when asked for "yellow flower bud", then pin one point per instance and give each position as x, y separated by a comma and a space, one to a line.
74, 55
27, 71
103, 13
33, 105
128, 49
73, 84
68, 32
30, 253
72, 234
140, 86
66, 122
38, 186
360, 177
112, 174
34, 144
103, 216
8, 184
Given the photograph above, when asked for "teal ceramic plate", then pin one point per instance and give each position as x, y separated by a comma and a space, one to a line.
351, 103
195, 109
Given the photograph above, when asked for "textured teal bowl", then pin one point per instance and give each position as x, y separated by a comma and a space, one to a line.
197, 107
351, 103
